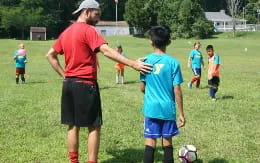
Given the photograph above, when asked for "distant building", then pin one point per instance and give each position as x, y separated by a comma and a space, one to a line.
223, 22
111, 28
37, 33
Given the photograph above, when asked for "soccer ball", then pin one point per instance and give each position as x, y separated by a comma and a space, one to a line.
188, 153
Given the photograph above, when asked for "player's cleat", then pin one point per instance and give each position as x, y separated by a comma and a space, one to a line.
213, 99
189, 85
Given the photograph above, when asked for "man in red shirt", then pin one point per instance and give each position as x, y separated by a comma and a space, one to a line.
80, 104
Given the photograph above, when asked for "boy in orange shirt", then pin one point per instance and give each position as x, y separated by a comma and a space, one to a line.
213, 71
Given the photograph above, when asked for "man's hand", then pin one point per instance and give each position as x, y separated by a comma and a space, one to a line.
142, 67
182, 121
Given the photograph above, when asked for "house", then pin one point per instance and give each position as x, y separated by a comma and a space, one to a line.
111, 28
37, 33
223, 22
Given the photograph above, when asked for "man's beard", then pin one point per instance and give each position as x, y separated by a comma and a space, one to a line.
92, 22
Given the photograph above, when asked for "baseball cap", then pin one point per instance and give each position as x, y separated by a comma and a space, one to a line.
87, 4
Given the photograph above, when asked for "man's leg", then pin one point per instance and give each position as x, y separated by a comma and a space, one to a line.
168, 150
93, 143
73, 143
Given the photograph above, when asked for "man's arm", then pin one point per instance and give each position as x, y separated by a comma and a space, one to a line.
179, 100
114, 55
52, 57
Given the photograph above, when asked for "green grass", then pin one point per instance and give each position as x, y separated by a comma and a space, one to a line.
224, 131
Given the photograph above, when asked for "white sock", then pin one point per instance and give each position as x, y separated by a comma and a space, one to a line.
122, 80
116, 79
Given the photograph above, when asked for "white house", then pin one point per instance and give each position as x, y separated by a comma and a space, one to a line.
111, 28
223, 22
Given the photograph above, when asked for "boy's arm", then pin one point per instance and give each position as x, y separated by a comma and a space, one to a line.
142, 86
54, 61
202, 63
189, 61
216, 66
179, 100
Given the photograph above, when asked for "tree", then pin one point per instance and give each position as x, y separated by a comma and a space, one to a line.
137, 15
233, 6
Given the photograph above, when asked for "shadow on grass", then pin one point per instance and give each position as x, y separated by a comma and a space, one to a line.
129, 156
218, 160
132, 82
227, 97
37, 82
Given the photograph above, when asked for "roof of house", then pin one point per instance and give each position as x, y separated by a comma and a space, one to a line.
219, 16
37, 29
113, 23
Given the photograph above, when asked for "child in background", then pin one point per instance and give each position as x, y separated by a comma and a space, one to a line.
213, 72
120, 67
161, 88
195, 61
20, 61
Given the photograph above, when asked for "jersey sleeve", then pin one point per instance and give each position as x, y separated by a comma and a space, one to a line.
217, 60
176, 74
93, 39
57, 46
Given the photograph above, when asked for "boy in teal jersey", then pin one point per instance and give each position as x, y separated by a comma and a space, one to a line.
161, 88
20, 61
195, 61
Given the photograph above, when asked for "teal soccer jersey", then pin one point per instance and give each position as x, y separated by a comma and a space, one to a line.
20, 59
196, 58
159, 99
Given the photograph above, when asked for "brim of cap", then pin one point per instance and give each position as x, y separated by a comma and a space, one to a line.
76, 11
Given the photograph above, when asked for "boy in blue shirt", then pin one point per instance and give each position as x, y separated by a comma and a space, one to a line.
161, 88
195, 61
20, 61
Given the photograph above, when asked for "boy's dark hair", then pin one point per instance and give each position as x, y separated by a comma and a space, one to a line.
209, 47
160, 35
120, 47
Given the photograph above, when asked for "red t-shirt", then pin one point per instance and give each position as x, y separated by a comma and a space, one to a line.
79, 44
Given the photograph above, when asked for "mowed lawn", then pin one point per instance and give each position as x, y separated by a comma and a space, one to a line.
223, 131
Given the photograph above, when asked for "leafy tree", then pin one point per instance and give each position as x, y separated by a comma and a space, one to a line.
137, 15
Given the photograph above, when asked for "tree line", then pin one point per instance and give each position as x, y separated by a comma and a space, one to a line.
185, 17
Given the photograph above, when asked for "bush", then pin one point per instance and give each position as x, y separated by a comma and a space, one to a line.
202, 29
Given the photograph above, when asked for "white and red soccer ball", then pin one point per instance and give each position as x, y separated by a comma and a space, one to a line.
188, 154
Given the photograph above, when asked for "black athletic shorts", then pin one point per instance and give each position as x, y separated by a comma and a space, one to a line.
214, 81
80, 103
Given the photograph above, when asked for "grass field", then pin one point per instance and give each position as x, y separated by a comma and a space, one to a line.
224, 131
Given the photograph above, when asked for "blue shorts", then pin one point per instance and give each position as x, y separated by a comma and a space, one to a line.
196, 71
156, 128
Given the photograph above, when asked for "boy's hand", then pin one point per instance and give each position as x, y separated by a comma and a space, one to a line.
182, 121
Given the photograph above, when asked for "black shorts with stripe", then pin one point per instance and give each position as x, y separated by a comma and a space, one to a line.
214, 81
80, 103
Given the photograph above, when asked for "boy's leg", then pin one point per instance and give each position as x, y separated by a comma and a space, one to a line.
73, 143
122, 76
23, 79
17, 78
93, 144
168, 150
150, 144
117, 76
